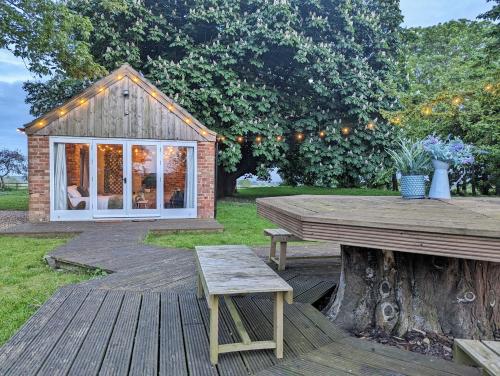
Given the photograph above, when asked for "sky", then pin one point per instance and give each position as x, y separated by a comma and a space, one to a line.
15, 113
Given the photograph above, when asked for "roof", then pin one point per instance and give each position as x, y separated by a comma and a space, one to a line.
124, 71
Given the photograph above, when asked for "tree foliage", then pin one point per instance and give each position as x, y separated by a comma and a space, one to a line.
11, 162
451, 86
48, 36
254, 70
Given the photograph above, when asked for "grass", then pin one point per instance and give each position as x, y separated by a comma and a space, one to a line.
26, 281
256, 192
14, 199
241, 223
241, 226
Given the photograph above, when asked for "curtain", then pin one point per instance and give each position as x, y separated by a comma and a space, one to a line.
60, 177
190, 180
84, 169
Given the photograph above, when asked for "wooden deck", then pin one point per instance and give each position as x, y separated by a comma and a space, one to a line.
144, 319
87, 332
460, 228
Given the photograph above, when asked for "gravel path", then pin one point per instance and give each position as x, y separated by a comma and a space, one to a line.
9, 218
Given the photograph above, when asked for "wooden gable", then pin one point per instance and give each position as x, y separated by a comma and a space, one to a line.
121, 105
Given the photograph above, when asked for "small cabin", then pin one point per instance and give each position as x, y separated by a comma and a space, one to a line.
121, 149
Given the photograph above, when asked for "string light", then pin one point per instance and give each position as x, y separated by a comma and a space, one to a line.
120, 77
240, 139
100, 89
427, 110
135, 79
187, 120
456, 101
488, 88
258, 139
322, 134
222, 138
61, 112
279, 138
170, 107
299, 136
370, 126
345, 131
204, 133
153, 94
82, 101
40, 123
396, 120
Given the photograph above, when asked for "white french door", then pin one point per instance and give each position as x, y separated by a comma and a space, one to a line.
94, 178
126, 179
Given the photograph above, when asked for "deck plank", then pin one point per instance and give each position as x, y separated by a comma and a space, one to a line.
172, 357
89, 358
145, 353
195, 337
64, 353
119, 351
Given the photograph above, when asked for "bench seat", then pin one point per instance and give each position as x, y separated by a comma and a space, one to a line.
483, 354
227, 270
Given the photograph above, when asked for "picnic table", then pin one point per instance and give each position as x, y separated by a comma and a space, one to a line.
227, 270
406, 264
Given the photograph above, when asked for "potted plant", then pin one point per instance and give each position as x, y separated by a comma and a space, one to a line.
413, 163
445, 153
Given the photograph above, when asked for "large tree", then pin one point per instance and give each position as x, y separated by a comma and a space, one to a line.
451, 76
279, 81
48, 36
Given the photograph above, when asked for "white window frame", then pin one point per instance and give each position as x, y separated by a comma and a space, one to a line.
127, 213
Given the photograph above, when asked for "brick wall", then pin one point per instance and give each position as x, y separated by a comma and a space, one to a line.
206, 179
38, 178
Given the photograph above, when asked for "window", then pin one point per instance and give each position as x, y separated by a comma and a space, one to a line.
71, 176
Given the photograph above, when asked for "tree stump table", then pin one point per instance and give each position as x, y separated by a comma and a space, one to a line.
406, 264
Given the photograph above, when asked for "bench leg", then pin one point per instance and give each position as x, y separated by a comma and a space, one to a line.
199, 287
214, 329
278, 324
272, 250
282, 263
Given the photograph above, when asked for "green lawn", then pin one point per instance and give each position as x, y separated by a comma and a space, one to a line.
241, 223
241, 226
253, 193
14, 200
26, 281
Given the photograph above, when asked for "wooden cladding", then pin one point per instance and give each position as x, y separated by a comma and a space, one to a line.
111, 114
380, 236
123, 105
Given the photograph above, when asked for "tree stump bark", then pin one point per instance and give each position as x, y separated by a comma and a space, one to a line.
397, 292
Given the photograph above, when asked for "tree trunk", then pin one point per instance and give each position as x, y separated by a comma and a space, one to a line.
226, 183
394, 182
398, 291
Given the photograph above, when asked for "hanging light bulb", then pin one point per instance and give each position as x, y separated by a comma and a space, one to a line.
322, 134
258, 139
299, 136
456, 101
370, 125
240, 139
345, 131
426, 110
279, 138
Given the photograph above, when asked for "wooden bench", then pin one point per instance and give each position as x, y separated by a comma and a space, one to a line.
282, 236
228, 270
484, 354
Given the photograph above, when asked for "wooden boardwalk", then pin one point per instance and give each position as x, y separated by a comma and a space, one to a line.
144, 319
87, 332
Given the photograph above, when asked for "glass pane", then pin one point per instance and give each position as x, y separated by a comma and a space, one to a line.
144, 174
71, 176
178, 177
109, 176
